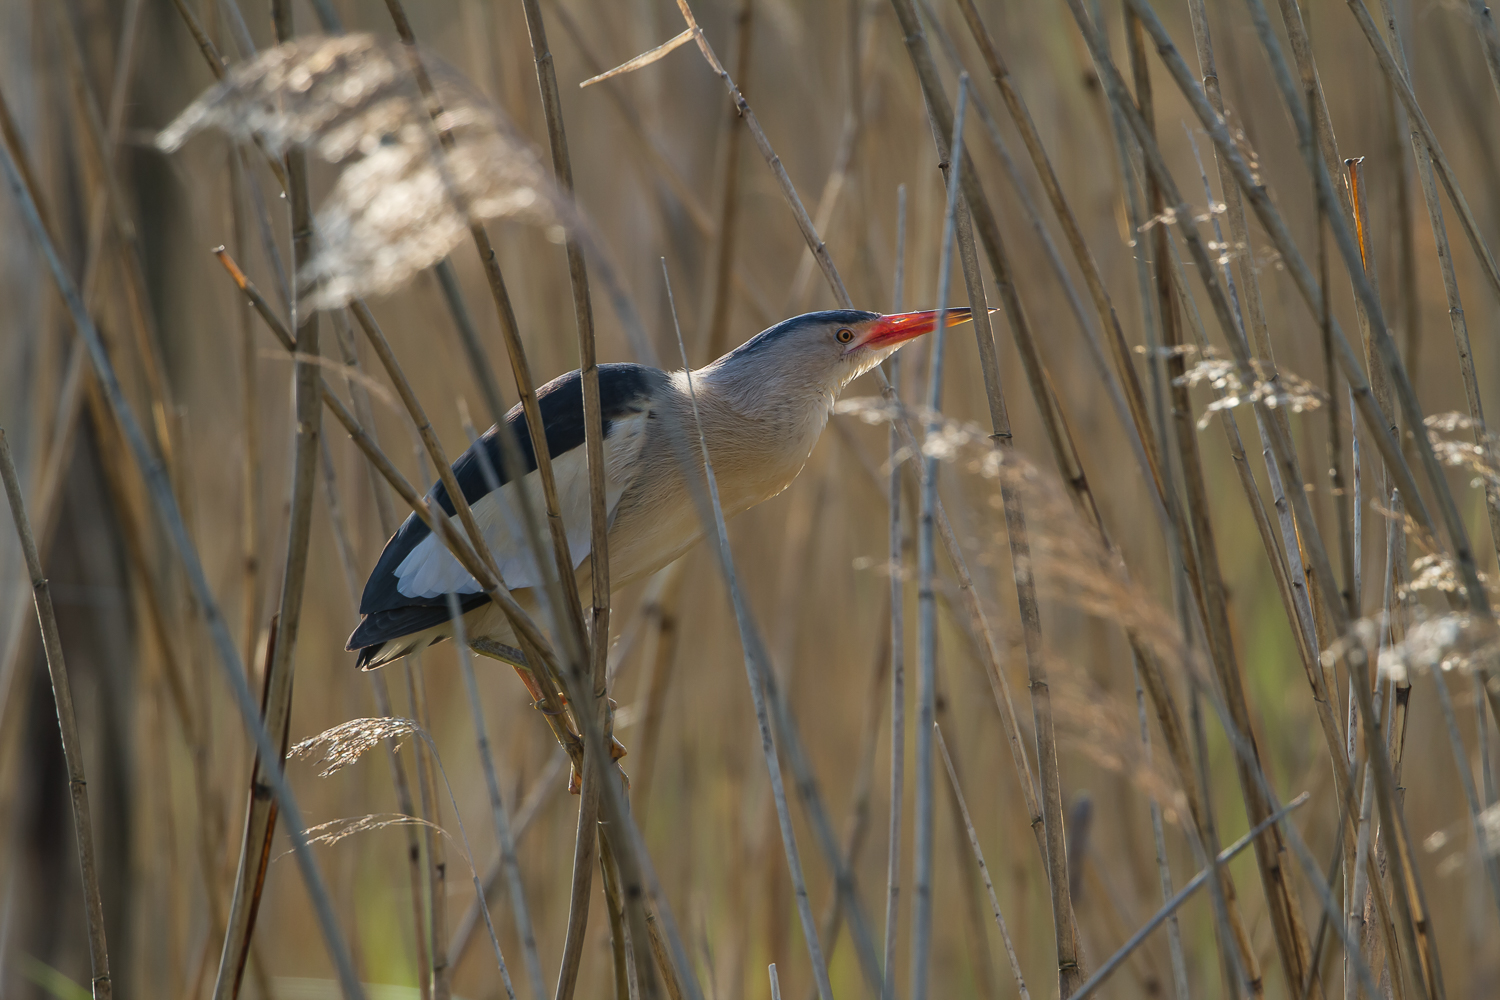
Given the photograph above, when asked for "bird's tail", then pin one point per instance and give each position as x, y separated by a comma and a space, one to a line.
381, 653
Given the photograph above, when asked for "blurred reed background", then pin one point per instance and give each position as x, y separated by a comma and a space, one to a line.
664, 168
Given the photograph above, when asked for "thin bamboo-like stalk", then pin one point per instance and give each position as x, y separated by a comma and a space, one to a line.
1039, 228
857, 825
1456, 318
250, 599
715, 336
1181, 897
101, 986
662, 166
503, 833
756, 670
1291, 936
923, 846
1402, 87
984, 871
859, 31
170, 514
1068, 958
386, 517
260, 818
541, 791
896, 558
598, 619
1109, 321
804, 222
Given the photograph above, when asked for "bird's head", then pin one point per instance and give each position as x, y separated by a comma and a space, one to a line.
834, 347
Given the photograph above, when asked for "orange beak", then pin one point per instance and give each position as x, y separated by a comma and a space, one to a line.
898, 328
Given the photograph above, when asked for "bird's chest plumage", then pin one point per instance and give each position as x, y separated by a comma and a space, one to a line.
756, 454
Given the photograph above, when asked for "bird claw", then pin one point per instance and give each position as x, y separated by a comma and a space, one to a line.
541, 706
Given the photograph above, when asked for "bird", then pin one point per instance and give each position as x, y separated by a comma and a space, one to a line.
761, 409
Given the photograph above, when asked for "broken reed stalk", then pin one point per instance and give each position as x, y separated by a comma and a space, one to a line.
756, 669
984, 871
503, 835
260, 817
170, 514
923, 847
896, 558
101, 986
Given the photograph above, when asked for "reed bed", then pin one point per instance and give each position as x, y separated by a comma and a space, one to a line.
1211, 491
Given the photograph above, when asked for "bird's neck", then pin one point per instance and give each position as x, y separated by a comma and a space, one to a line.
759, 431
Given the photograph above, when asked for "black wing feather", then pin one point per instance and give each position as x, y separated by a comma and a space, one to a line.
385, 612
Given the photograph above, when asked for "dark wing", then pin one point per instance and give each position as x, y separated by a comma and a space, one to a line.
407, 591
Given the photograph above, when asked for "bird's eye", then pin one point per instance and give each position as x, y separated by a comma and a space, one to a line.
845, 335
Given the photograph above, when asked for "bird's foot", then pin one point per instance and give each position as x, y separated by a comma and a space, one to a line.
575, 780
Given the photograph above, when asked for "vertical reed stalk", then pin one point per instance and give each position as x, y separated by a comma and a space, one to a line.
101, 986
984, 871
921, 935
597, 644
260, 818
716, 335
756, 670
503, 833
896, 559
1456, 318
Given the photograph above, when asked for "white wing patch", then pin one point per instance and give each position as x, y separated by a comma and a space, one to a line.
430, 570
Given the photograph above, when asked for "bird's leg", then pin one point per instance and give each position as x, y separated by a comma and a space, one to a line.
554, 708
510, 654
539, 701
616, 751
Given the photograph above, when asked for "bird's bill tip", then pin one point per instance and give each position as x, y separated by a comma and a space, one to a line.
897, 328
